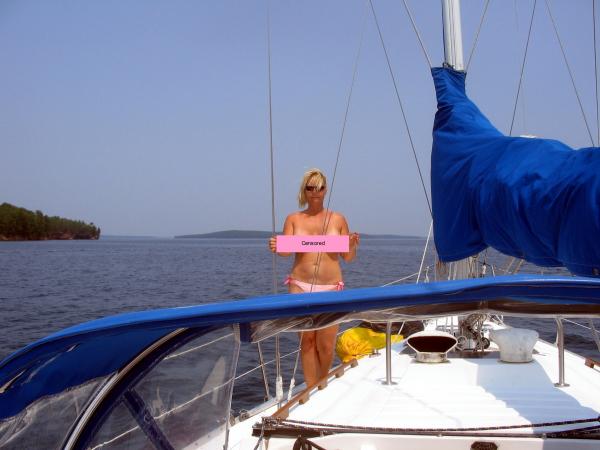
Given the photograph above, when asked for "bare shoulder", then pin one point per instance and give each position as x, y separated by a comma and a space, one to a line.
338, 220
290, 223
293, 217
337, 217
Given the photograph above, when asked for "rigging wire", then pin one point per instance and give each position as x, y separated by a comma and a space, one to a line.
522, 68
274, 263
348, 100
562, 49
278, 377
412, 145
591, 328
595, 334
414, 25
485, 8
416, 30
596, 71
523, 96
328, 214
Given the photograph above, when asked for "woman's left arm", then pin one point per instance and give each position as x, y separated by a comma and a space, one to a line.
354, 241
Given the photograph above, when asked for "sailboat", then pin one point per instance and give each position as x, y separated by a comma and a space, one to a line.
164, 378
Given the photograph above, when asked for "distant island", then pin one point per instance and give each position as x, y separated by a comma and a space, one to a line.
229, 234
249, 234
20, 224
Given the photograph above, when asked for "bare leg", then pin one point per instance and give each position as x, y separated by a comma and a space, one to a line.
325, 340
310, 360
308, 349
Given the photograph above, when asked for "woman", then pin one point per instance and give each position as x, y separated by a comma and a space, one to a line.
316, 272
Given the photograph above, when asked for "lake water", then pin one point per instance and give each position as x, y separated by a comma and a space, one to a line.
49, 285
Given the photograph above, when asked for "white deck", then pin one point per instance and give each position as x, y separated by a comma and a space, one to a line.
460, 393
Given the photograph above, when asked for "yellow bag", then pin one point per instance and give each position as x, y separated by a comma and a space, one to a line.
358, 342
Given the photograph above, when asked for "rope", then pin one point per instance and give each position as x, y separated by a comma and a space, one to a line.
414, 25
425, 251
595, 334
578, 324
562, 49
261, 437
522, 68
293, 379
263, 369
412, 145
518, 266
511, 261
359, 428
485, 8
401, 279
596, 71
302, 443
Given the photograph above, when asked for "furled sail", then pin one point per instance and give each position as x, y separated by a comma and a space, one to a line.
535, 199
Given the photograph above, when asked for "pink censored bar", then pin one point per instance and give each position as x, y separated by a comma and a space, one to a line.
313, 244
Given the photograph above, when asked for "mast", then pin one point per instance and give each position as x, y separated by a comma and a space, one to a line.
453, 48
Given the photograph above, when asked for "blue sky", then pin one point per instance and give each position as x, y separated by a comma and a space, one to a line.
150, 117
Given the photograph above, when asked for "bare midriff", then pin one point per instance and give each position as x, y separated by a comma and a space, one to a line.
316, 268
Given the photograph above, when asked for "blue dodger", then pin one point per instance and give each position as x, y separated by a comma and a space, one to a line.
98, 348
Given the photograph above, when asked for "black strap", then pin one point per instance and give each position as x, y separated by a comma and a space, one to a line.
144, 418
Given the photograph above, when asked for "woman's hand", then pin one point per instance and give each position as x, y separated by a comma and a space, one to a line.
273, 245
354, 241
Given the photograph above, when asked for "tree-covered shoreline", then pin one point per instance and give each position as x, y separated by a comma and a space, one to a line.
20, 224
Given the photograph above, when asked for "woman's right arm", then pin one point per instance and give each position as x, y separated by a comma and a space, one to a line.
288, 229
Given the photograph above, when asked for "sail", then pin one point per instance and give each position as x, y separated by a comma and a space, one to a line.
535, 199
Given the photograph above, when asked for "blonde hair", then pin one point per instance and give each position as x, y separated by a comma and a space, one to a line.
319, 179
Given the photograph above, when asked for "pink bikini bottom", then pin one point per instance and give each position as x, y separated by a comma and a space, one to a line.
306, 287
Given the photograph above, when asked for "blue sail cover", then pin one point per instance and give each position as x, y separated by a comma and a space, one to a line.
535, 199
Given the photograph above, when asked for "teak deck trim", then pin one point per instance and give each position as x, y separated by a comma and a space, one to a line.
590, 362
303, 396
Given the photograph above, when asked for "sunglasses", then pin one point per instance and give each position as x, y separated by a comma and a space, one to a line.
314, 188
